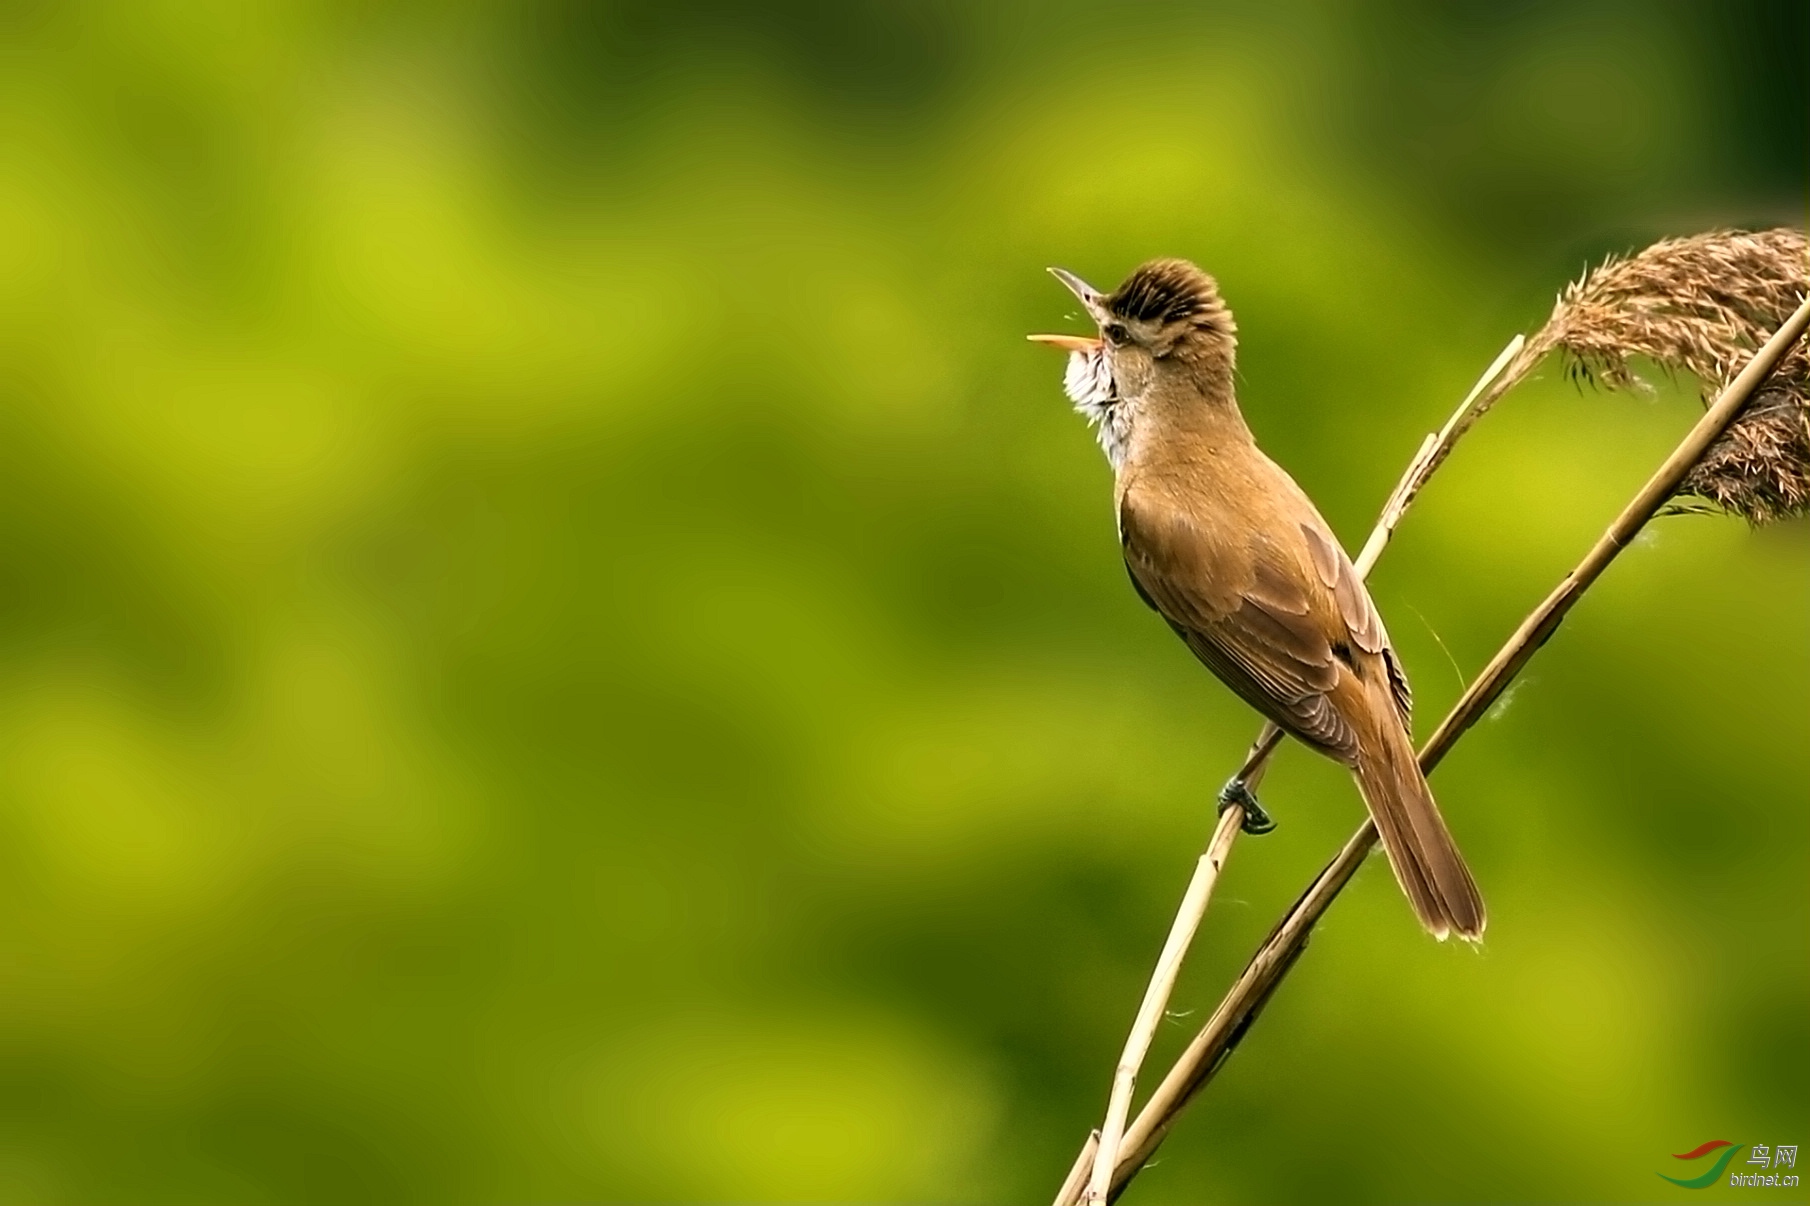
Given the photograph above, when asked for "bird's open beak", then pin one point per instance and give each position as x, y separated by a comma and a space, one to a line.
1090, 297
1069, 343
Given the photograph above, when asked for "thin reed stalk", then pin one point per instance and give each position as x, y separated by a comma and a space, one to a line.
1156, 996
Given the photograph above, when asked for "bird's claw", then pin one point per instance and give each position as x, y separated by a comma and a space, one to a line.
1256, 820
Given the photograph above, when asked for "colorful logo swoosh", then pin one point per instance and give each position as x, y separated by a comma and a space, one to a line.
1709, 1178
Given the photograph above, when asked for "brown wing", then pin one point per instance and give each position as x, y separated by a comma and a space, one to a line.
1358, 612
1246, 611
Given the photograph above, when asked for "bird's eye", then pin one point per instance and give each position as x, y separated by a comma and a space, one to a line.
1116, 332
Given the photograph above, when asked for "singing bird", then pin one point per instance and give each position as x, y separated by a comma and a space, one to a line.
1224, 545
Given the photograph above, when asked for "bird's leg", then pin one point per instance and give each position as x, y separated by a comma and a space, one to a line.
1236, 791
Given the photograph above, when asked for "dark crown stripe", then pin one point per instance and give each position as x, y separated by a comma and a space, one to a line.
1165, 291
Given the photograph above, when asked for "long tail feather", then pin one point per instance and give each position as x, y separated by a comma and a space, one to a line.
1426, 861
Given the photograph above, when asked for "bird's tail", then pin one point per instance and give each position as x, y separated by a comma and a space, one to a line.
1420, 848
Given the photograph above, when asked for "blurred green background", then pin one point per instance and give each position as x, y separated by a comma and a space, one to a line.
557, 644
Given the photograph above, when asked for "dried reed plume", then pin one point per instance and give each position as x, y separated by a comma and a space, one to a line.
1700, 305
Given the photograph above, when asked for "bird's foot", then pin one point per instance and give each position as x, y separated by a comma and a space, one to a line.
1256, 820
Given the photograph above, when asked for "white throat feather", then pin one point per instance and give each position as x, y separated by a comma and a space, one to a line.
1088, 383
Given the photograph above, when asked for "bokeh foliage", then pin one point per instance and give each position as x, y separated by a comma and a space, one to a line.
556, 643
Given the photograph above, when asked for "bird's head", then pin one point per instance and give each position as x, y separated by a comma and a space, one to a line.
1163, 331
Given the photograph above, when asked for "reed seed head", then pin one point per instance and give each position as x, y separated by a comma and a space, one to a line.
1703, 305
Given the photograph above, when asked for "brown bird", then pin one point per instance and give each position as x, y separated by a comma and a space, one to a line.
1231, 552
